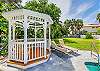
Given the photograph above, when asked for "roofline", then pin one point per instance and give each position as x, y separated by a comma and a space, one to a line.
6, 14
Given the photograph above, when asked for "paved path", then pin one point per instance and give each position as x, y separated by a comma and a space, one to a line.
61, 62
55, 63
78, 62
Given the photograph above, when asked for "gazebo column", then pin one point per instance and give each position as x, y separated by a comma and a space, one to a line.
45, 40
14, 55
35, 39
9, 41
25, 41
49, 37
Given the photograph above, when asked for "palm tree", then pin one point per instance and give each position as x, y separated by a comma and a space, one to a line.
79, 25
98, 17
72, 26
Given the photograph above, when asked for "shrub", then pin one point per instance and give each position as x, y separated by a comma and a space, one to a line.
83, 32
89, 35
98, 31
68, 41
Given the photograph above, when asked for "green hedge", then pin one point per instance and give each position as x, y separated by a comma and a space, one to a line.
89, 36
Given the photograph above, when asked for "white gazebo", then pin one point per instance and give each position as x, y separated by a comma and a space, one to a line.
29, 38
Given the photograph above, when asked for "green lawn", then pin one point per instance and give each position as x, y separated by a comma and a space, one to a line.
82, 44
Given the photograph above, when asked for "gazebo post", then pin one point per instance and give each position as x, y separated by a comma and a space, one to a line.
25, 41
13, 24
45, 40
9, 40
35, 39
49, 37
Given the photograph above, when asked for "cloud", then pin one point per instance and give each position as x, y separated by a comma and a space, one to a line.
92, 17
64, 5
82, 8
70, 10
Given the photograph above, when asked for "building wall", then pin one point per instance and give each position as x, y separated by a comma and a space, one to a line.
90, 29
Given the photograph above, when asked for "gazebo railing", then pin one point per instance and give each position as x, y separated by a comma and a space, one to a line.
17, 51
29, 40
35, 50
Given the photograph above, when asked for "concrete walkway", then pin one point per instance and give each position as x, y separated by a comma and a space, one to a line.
57, 62
78, 62
60, 62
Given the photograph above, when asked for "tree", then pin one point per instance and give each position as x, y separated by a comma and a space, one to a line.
16, 3
79, 25
66, 26
4, 26
98, 17
89, 35
43, 6
73, 26
3, 32
56, 31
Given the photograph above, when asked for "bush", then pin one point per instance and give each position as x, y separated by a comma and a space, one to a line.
68, 41
89, 35
98, 31
83, 32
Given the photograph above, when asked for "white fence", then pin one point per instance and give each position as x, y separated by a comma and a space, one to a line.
35, 51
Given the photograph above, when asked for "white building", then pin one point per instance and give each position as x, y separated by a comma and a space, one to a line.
91, 27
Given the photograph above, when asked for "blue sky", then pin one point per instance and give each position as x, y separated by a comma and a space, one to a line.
83, 9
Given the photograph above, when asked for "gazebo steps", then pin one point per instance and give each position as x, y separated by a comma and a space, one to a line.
32, 63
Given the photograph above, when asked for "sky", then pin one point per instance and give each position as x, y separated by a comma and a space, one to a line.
82, 9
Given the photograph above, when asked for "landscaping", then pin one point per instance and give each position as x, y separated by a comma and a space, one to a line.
81, 44
25, 37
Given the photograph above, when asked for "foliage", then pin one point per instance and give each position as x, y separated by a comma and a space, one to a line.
40, 33
4, 26
98, 17
19, 33
3, 32
66, 27
73, 26
12, 3
56, 31
68, 41
89, 35
43, 6
98, 31
83, 32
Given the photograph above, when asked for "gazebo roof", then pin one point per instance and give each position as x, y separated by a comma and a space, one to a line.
25, 12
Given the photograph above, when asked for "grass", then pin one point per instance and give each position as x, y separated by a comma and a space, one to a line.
82, 44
